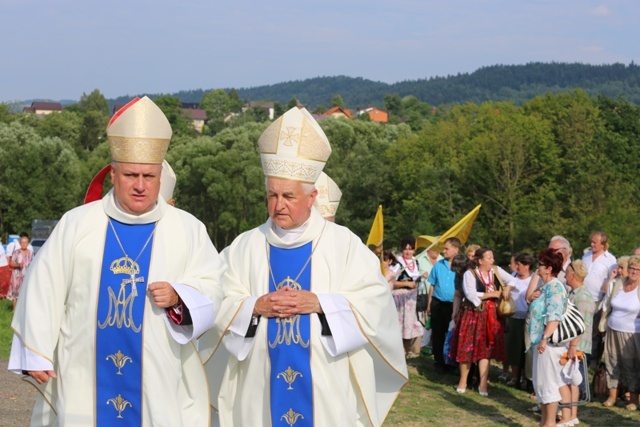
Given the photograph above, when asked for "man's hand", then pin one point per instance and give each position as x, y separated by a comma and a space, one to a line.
287, 302
42, 377
162, 294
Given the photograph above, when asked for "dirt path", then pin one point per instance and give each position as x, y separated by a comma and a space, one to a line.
16, 398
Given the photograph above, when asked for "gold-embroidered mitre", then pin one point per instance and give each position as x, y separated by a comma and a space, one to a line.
139, 132
328, 197
294, 147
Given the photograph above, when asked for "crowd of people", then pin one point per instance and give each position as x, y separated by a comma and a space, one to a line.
467, 289
129, 314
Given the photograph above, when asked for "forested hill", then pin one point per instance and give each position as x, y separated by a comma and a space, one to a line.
517, 83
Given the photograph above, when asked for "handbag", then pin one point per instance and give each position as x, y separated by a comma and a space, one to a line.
422, 300
506, 307
600, 381
571, 326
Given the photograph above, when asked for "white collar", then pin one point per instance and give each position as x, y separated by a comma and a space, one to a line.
309, 231
114, 210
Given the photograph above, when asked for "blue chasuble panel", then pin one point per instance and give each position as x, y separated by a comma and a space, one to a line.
121, 301
291, 384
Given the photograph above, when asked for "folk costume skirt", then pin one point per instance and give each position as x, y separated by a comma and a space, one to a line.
479, 334
5, 275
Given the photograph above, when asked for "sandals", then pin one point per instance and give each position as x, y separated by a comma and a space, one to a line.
609, 403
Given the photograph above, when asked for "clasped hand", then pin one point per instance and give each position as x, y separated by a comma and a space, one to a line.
287, 302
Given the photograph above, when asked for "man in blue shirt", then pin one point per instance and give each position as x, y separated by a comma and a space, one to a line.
440, 306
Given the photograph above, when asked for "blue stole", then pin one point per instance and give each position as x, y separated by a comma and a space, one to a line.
289, 343
121, 300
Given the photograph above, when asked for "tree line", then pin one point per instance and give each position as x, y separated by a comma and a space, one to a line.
515, 83
557, 164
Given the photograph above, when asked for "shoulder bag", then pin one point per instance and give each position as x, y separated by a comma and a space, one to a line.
506, 307
571, 326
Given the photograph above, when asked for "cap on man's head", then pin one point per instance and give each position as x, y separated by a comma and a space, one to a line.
328, 197
139, 132
294, 147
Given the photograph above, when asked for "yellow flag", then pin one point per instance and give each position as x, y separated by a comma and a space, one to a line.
423, 242
461, 230
377, 231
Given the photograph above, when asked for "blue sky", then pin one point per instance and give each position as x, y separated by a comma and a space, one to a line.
58, 49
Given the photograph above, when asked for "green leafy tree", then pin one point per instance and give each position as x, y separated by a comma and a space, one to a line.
65, 125
293, 102
95, 101
337, 101
39, 177
171, 106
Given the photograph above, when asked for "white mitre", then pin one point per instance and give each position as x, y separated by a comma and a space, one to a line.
328, 197
294, 147
167, 181
139, 132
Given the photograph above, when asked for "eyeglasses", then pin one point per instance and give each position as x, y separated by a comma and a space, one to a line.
635, 270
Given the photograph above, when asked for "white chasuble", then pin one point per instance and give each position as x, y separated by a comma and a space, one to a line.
57, 318
352, 388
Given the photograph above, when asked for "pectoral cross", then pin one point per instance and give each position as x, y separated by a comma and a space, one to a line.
132, 282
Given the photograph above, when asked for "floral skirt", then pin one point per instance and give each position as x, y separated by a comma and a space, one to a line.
405, 300
17, 276
478, 335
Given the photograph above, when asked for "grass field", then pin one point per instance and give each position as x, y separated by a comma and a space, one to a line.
430, 399
5, 328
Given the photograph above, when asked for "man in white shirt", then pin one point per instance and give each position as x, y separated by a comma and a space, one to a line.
599, 262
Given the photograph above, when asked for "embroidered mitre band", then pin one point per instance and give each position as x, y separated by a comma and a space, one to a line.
328, 197
294, 147
139, 132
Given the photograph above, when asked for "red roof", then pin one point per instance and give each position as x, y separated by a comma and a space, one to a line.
336, 110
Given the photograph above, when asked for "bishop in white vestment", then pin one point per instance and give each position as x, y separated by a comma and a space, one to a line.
106, 322
307, 323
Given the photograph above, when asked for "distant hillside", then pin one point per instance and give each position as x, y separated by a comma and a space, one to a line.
517, 83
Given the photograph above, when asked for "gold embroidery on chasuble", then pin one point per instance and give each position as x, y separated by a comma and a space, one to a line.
289, 376
120, 312
289, 327
119, 359
291, 417
120, 404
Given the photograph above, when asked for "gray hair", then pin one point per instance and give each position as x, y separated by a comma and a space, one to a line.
565, 244
307, 188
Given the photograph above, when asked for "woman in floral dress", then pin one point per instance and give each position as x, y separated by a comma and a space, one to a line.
19, 262
405, 295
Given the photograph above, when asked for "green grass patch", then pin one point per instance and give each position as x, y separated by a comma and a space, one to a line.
6, 334
430, 399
